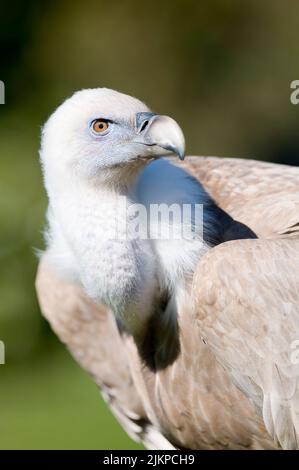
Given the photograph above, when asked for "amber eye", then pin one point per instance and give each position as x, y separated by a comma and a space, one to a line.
99, 126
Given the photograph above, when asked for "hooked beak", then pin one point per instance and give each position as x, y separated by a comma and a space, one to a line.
160, 134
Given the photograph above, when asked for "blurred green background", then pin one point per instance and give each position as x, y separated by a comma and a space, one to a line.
221, 68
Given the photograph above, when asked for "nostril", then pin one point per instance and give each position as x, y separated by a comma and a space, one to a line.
144, 125
143, 120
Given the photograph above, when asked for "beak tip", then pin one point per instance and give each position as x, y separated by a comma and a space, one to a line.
177, 150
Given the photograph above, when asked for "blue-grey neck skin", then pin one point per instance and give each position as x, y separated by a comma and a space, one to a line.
162, 182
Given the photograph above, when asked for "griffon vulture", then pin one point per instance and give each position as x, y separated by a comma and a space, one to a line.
192, 341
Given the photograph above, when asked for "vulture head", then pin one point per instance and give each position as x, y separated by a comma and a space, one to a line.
103, 135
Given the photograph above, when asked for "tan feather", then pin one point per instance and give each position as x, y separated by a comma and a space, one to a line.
91, 335
251, 327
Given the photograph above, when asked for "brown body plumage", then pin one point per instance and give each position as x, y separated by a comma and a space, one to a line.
244, 317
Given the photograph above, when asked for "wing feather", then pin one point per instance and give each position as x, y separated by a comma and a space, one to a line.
91, 335
264, 196
246, 305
